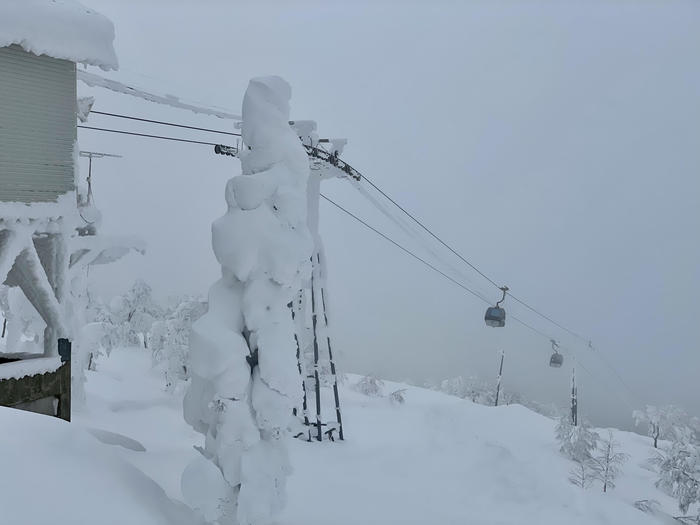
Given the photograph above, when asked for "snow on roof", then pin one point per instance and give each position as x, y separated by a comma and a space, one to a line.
59, 28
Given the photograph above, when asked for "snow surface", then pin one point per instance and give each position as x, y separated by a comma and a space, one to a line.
434, 459
59, 28
29, 367
55, 472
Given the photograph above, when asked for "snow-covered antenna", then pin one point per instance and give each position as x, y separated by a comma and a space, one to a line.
94, 155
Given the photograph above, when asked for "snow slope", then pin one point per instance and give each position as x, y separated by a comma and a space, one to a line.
434, 459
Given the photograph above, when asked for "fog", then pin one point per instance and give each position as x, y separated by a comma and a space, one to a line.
555, 144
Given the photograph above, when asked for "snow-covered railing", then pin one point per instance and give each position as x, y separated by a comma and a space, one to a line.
24, 381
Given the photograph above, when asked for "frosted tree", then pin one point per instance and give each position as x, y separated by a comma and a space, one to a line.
169, 340
244, 377
608, 462
660, 421
679, 471
136, 311
577, 442
582, 474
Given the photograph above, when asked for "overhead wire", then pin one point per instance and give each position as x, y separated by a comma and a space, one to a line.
163, 123
476, 294
122, 132
395, 203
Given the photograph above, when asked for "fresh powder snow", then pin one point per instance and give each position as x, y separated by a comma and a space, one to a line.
434, 458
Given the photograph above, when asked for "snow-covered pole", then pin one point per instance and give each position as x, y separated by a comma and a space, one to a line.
498, 379
574, 398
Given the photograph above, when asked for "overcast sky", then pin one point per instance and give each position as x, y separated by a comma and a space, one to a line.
555, 144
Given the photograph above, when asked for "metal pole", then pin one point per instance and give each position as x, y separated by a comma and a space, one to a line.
303, 380
330, 357
500, 373
574, 398
319, 435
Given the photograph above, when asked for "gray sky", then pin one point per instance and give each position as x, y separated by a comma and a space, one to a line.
555, 144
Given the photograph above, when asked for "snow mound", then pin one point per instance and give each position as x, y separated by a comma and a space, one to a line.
59, 28
54, 472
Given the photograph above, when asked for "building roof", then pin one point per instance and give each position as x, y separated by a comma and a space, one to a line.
59, 28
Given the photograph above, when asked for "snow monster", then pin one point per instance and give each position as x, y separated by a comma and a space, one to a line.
245, 380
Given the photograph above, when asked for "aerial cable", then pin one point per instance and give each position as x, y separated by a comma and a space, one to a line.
607, 363
406, 250
163, 123
476, 294
149, 136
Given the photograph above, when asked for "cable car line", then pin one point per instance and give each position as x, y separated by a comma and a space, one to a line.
471, 265
406, 250
476, 294
176, 139
149, 136
163, 123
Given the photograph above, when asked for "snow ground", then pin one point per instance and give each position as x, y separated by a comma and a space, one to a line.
434, 459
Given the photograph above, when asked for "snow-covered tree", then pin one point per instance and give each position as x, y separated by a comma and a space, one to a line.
679, 471
136, 311
661, 421
608, 462
577, 442
244, 377
582, 474
169, 339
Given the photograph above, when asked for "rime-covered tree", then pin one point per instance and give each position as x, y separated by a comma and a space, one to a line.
577, 442
169, 339
582, 475
608, 462
244, 377
136, 311
679, 471
661, 421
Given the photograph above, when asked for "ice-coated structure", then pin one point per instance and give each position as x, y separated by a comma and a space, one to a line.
245, 380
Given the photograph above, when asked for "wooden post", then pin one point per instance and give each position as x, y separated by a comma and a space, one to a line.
64, 372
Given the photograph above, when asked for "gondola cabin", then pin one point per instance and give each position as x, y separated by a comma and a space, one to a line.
556, 360
495, 317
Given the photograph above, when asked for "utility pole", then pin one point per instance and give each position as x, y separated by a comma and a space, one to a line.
498, 380
574, 398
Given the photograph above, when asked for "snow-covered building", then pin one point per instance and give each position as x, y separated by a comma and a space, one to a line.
41, 44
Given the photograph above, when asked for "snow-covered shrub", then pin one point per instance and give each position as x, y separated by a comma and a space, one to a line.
244, 378
648, 506
370, 386
679, 471
577, 442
